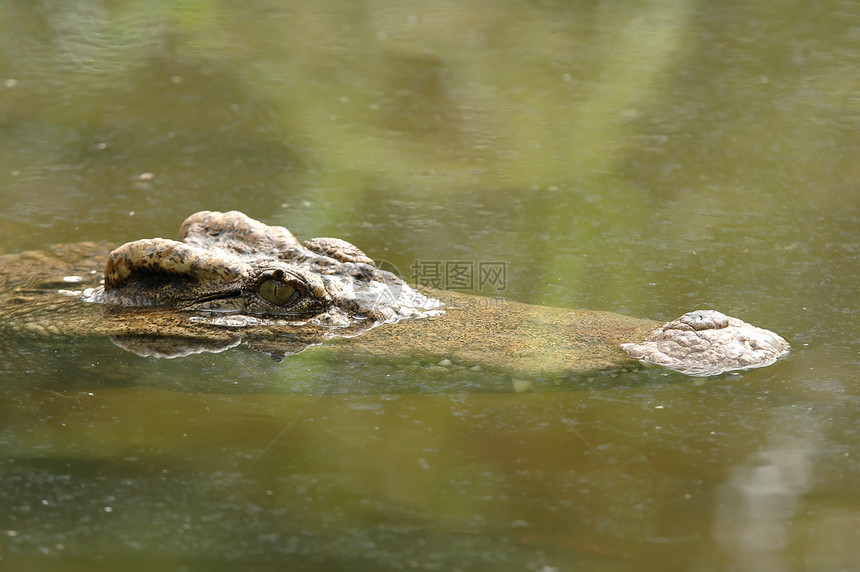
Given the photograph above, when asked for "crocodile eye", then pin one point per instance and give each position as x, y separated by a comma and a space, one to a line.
277, 292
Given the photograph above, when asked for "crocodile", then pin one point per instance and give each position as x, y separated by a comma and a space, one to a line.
232, 280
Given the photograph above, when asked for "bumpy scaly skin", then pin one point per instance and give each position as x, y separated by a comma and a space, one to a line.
223, 257
706, 342
203, 293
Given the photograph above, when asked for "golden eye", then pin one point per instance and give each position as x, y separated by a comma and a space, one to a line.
277, 292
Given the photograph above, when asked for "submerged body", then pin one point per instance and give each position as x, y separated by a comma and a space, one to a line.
231, 280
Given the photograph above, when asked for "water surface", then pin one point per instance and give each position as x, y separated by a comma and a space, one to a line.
646, 158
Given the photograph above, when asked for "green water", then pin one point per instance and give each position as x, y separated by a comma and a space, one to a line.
647, 158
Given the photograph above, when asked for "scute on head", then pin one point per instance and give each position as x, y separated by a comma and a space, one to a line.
231, 263
155, 272
236, 232
338, 249
166, 257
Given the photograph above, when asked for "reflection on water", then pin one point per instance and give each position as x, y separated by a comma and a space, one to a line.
645, 158
762, 495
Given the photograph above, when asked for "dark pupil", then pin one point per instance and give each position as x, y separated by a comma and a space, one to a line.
277, 292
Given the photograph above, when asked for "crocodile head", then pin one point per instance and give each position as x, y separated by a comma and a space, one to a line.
230, 270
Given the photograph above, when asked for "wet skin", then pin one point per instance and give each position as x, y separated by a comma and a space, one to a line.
232, 280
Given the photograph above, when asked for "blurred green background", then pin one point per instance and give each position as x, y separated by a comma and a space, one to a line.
647, 158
